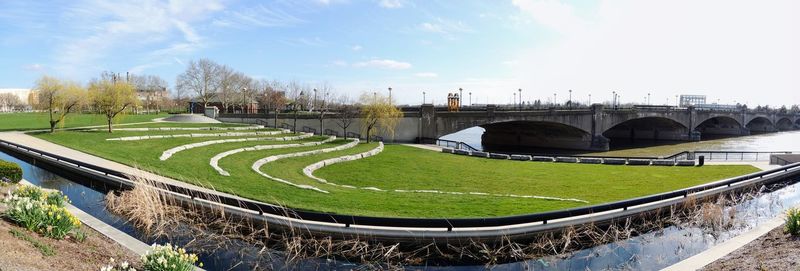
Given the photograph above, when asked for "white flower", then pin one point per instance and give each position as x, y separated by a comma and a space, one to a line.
124, 265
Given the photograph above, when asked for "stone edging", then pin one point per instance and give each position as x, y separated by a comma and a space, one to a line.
135, 138
261, 162
573, 159
170, 152
143, 129
214, 162
309, 170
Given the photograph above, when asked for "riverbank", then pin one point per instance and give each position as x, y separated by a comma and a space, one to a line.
775, 250
25, 250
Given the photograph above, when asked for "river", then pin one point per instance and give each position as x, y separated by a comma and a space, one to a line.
780, 141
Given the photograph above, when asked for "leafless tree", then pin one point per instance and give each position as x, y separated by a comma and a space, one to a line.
201, 78
346, 113
151, 89
9, 102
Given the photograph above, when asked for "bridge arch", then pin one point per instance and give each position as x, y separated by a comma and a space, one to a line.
536, 134
720, 125
760, 124
650, 128
784, 124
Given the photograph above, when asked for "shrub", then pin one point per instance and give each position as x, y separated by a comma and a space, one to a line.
10, 172
168, 258
792, 220
39, 211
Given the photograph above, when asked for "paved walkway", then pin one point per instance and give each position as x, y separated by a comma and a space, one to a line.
426, 147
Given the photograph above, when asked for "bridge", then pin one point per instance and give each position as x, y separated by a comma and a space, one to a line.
591, 128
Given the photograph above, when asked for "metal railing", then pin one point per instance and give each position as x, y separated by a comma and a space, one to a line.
122, 180
455, 145
727, 155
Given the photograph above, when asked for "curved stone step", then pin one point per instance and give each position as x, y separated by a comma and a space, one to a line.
228, 134
214, 162
170, 152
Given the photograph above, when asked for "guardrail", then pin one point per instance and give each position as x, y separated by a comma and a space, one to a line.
455, 144
727, 155
123, 180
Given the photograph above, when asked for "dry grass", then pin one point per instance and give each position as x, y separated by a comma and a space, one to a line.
210, 229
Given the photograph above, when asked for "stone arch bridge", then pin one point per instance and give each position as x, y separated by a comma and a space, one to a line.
594, 128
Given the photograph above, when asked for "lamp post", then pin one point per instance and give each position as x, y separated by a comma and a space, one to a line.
314, 103
460, 96
423, 97
515, 99
520, 98
590, 99
470, 98
390, 95
648, 98
299, 98
375, 97
570, 99
244, 98
555, 99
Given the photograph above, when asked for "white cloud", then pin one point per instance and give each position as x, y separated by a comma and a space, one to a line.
446, 27
258, 16
383, 64
35, 67
667, 48
356, 48
426, 74
391, 3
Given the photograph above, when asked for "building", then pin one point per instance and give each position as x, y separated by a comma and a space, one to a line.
152, 99
26, 98
691, 100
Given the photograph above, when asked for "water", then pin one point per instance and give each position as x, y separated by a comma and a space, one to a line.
780, 141
648, 251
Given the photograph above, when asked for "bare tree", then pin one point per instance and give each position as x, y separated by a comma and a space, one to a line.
201, 78
244, 90
59, 98
10, 102
151, 89
227, 91
346, 113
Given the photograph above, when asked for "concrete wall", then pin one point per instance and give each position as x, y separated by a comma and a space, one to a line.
406, 131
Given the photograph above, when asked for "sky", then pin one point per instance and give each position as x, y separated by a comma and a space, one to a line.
730, 50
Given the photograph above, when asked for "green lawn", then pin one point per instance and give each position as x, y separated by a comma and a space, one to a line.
398, 167
34, 121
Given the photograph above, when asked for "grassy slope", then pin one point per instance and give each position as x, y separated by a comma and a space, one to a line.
33, 121
399, 167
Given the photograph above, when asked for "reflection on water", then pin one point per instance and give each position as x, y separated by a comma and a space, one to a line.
781, 141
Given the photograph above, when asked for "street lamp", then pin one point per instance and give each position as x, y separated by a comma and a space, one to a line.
555, 98
460, 96
244, 98
590, 99
390, 95
470, 98
314, 104
520, 98
570, 98
299, 98
515, 99
423, 97
648, 98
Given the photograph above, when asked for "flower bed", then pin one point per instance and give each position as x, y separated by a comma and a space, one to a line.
41, 211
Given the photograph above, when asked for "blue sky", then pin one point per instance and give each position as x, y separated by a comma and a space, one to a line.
729, 50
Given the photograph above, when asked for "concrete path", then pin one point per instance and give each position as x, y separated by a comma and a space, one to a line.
426, 147
717, 252
762, 165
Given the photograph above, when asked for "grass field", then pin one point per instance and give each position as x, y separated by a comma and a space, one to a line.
36, 120
398, 167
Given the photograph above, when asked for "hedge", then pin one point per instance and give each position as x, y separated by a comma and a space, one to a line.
10, 171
